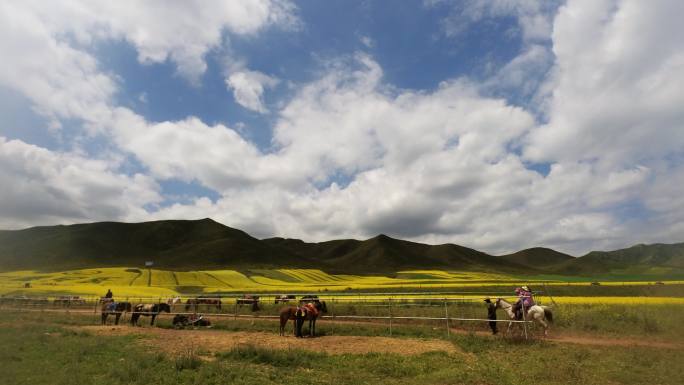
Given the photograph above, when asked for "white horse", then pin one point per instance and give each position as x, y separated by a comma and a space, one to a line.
536, 313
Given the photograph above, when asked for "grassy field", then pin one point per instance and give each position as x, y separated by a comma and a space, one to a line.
154, 283
49, 338
67, 354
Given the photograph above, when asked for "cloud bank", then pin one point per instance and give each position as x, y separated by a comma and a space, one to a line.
597, 163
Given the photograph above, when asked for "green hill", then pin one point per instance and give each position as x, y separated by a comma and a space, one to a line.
388, 255
657, 259
206, 244
169, 244
540, 258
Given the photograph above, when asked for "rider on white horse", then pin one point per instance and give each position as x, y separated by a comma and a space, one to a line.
525, 300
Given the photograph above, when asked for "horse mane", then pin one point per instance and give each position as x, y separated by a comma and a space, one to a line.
322, 307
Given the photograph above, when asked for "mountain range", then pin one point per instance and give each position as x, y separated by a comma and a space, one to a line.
206, 244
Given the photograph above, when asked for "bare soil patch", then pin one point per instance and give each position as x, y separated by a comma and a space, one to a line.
615, 342
592, 340
210, 341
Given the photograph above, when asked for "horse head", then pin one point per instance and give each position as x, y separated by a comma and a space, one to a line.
320, 306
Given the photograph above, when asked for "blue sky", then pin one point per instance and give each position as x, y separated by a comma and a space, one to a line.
497, 125
407, 43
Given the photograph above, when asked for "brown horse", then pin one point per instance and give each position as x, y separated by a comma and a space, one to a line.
195, 302
148, 310
116, 308
299, 314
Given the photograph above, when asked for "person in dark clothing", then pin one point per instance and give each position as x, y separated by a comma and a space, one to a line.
109, 294
491, 314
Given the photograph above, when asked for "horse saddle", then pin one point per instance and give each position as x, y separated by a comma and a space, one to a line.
301, 311
311, 308
111, 306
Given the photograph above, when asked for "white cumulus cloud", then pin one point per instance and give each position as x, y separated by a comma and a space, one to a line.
248, 88
352, 155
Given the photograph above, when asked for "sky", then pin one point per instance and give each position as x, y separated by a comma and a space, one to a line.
498, 125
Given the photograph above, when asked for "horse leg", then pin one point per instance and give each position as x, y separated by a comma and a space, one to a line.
134, 319
283, 322
546, 327
313, 325
152, 321
540, 320
116, 320
104, 318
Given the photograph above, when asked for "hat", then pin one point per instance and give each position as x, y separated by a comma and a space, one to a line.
525, 288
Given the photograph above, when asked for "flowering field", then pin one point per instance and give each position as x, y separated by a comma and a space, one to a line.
155, 283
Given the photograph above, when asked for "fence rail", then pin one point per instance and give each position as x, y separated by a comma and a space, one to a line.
379, 307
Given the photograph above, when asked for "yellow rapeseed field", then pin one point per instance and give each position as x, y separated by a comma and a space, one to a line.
162, 283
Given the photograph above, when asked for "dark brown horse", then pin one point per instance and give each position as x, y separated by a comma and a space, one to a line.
193, 303
299, 314
148, 310
116, 308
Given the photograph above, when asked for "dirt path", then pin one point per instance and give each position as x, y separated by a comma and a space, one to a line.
615, 342
211, 341
595, 341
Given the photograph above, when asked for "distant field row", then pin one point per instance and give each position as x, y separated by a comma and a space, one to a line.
156, 283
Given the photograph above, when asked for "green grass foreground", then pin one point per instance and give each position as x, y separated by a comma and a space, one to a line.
42, 349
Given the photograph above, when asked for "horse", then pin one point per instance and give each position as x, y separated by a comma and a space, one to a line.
299, 314
194, 302
148, 310
249, 299
172, 302
536, 313
116, 308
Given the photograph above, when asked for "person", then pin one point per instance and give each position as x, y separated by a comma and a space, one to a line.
525, 301
109, 294
491, 314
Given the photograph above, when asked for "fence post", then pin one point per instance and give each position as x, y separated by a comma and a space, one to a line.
446, 316
235, 314
524, 310
332, 311
390, 315
125, 314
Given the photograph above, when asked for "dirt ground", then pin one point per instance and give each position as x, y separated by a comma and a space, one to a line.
207, 342
211, 341
615, 342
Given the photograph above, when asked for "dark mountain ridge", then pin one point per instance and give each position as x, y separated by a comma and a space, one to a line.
206, 244
170, 244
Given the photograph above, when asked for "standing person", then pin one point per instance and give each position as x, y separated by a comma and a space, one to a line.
109, 294
517, 307
491, 315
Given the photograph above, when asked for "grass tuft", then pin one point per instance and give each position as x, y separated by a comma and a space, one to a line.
187, 360
292, 358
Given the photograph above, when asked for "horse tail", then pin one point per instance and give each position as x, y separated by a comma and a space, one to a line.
548, 314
